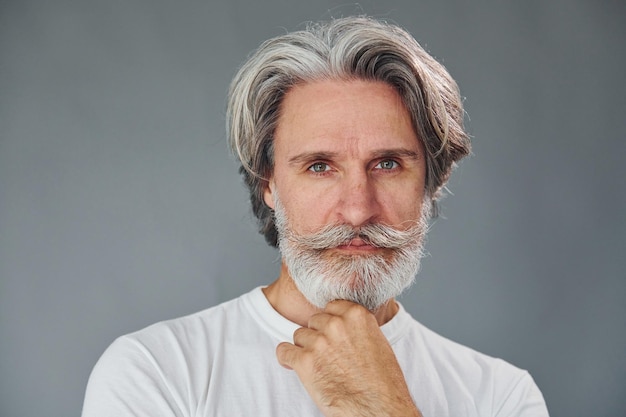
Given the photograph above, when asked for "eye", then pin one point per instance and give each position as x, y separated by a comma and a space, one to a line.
319, 167
387, 164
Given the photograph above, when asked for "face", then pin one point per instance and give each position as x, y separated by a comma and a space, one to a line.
346, 155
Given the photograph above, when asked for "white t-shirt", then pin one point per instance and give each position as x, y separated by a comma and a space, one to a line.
222, 362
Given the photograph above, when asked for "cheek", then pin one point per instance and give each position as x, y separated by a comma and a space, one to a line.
401, 205
308, 209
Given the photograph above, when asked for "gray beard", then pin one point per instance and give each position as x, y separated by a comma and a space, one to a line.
369, 279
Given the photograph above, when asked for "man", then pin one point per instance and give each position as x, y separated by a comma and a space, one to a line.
346, 133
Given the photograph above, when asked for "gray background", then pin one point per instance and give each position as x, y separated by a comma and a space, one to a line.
120, 205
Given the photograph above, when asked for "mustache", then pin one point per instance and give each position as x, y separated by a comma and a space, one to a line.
378, 235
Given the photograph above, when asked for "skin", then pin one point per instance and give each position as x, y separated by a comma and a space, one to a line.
345, 152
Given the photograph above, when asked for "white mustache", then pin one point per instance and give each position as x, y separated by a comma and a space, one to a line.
378, 235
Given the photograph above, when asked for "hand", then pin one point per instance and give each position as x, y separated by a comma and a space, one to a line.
346, 364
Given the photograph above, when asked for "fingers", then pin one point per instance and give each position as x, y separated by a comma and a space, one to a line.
320, 321
339, 316
287, 355
350, 312
334, 323
292, 356
295, 356
347, 309
340, 307
304, 336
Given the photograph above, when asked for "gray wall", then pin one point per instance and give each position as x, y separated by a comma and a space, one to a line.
121, 206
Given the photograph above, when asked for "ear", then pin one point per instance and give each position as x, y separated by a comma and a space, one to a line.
268, 194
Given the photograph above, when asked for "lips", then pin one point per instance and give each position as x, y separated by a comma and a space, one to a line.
357, 244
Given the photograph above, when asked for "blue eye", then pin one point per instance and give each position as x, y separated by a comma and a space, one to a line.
387, 164
319, 167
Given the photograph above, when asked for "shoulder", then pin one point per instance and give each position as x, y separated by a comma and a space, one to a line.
495, 386
161, 362
451, 355
200, 330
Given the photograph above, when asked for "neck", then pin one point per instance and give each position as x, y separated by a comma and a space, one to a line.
287, 300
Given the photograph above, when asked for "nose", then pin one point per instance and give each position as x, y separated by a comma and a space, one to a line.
358, 204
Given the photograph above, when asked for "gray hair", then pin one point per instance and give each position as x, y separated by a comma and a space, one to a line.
342, 49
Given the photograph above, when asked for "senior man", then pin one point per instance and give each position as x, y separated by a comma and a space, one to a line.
346, 133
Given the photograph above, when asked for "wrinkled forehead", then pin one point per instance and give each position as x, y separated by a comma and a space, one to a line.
342, 113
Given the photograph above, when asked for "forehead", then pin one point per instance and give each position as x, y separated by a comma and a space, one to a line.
352, 116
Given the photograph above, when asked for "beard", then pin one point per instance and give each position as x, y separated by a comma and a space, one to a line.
370, 280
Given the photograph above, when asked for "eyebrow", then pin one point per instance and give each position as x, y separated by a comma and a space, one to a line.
311, 156
396, 153
326, 156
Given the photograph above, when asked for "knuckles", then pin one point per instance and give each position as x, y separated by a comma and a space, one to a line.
357, 312
298, 335
335, 326
320, 343
310, 340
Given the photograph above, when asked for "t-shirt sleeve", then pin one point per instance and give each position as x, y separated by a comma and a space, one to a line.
523, 400
127, 381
